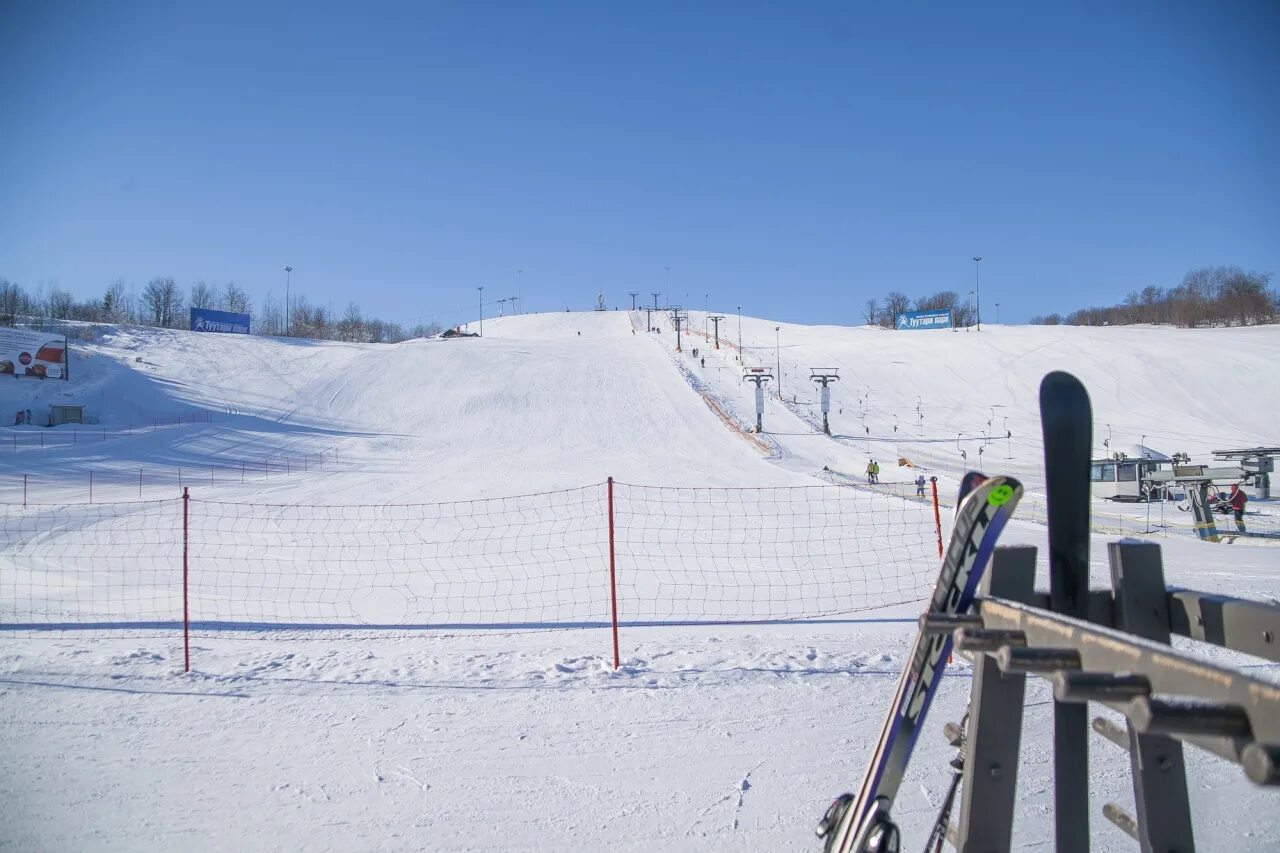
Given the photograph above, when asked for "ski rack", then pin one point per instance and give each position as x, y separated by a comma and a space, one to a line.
1120, 657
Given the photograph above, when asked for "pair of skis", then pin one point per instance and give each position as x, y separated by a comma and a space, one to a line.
862, 824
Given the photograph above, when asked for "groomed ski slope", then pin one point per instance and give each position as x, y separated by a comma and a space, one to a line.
708, 738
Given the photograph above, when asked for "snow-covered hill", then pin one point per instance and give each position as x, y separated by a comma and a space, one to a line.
715, 737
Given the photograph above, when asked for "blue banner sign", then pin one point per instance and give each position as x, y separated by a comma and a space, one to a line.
939, 319
208, 320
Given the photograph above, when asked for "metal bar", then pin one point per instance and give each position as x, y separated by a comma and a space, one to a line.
1122, 820
1111, 732
995, 724
986, 639
945, 623
1153, 715
1262, 763
1251, 627
1037, 661
1098, 686
1159, 772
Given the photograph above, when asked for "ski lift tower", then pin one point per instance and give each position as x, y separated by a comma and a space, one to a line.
1257, 461
824, 376
716, 320
600, 301
758, 376
676, 319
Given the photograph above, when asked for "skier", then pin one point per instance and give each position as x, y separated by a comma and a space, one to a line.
704, 362
920, 486
1236, 500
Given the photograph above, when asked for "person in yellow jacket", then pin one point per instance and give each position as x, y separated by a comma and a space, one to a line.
873, 471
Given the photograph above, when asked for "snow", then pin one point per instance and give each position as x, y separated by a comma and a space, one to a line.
719, 737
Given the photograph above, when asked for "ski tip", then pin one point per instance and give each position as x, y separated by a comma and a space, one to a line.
1059, 378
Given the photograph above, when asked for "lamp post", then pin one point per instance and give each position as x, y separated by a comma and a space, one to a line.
667, 286
997, 313
971, 306
739, 333
977, 291
481, 289
777, 349
288, 275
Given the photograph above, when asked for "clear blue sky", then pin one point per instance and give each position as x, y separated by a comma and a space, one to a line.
792, 158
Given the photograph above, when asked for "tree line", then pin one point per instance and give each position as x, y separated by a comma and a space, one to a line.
881, 314
164, 304
1210, 296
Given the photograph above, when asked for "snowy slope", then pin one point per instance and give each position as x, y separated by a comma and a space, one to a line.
723, 737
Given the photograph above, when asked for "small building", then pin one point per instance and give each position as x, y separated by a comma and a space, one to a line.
1125, 475
63, 414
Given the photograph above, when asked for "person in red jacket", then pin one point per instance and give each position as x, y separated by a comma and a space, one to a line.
1236, 500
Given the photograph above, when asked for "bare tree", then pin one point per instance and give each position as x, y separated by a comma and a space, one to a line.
270, 320
113, 302
162, 302
894, 304
61, 304
352, 326
203, 296
235, 299
871, 313
11, 300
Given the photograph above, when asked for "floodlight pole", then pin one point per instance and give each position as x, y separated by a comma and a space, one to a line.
977, 293
777, 349
824, 376
715, 321
668, 285
758, 377
288, 275
739, 333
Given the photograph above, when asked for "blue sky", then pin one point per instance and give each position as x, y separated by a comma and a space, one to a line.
794, 159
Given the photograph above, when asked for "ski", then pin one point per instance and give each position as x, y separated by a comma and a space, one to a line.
1067, 422
938, 834
862, 824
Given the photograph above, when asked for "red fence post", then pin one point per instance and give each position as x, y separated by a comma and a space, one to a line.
186, 616
613, 581
937, 518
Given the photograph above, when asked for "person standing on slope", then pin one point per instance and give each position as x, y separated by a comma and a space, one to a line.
920, 486
873, 471
1236, 500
